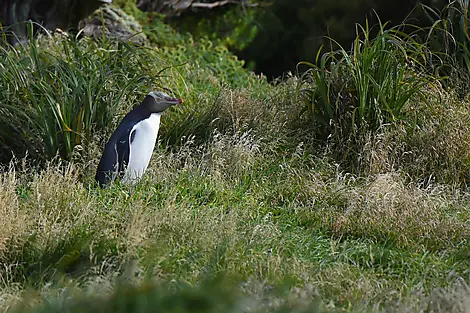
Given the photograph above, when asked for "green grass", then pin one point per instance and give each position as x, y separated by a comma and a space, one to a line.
449, 34
267, 223
245, 206
57, 94
351, 92
380, 76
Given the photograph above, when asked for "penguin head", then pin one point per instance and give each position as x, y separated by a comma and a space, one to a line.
157, 101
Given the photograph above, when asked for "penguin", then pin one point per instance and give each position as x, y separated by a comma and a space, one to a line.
128, 151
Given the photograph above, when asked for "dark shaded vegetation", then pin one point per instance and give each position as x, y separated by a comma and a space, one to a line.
272, 37
49, 15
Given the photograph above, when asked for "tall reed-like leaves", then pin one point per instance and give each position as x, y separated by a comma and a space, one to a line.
368, 85
53, 98
449, 35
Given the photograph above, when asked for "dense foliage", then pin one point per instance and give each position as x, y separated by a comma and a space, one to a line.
59, 93
56, 94
273, 36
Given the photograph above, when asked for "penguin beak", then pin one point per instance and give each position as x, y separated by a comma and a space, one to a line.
174, 101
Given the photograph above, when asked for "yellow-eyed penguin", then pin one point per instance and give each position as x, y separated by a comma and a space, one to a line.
128, 151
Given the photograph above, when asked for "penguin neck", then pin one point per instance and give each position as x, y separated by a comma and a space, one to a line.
146, 113
158, 114
154, 118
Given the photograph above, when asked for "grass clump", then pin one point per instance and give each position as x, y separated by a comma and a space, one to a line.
382, 210
449, 34
350, 93
377, 109
378, 79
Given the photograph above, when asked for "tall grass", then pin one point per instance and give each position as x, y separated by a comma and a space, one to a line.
351, 93
289, 228
369, 85
56, 94
449, 34
229, 207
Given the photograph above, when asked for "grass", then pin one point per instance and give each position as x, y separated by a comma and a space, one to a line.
60, 93
449, 35
378, 76
268, 223
56, 96
245, 206
378, 109
353, 92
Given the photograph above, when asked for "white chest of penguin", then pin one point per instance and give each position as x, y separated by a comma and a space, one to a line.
141, 147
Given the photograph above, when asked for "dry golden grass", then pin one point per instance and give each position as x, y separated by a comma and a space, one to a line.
11, 219
387, 208
435, 149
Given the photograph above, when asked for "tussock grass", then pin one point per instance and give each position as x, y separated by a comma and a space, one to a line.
435, 150
58, 92
12, 219
368, 86
388, 210
449, 36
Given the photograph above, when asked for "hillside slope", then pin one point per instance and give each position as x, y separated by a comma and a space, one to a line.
249, 204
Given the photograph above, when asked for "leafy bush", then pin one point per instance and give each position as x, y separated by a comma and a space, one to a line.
234, 27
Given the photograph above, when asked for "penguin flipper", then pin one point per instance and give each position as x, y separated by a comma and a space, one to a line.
124, 149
